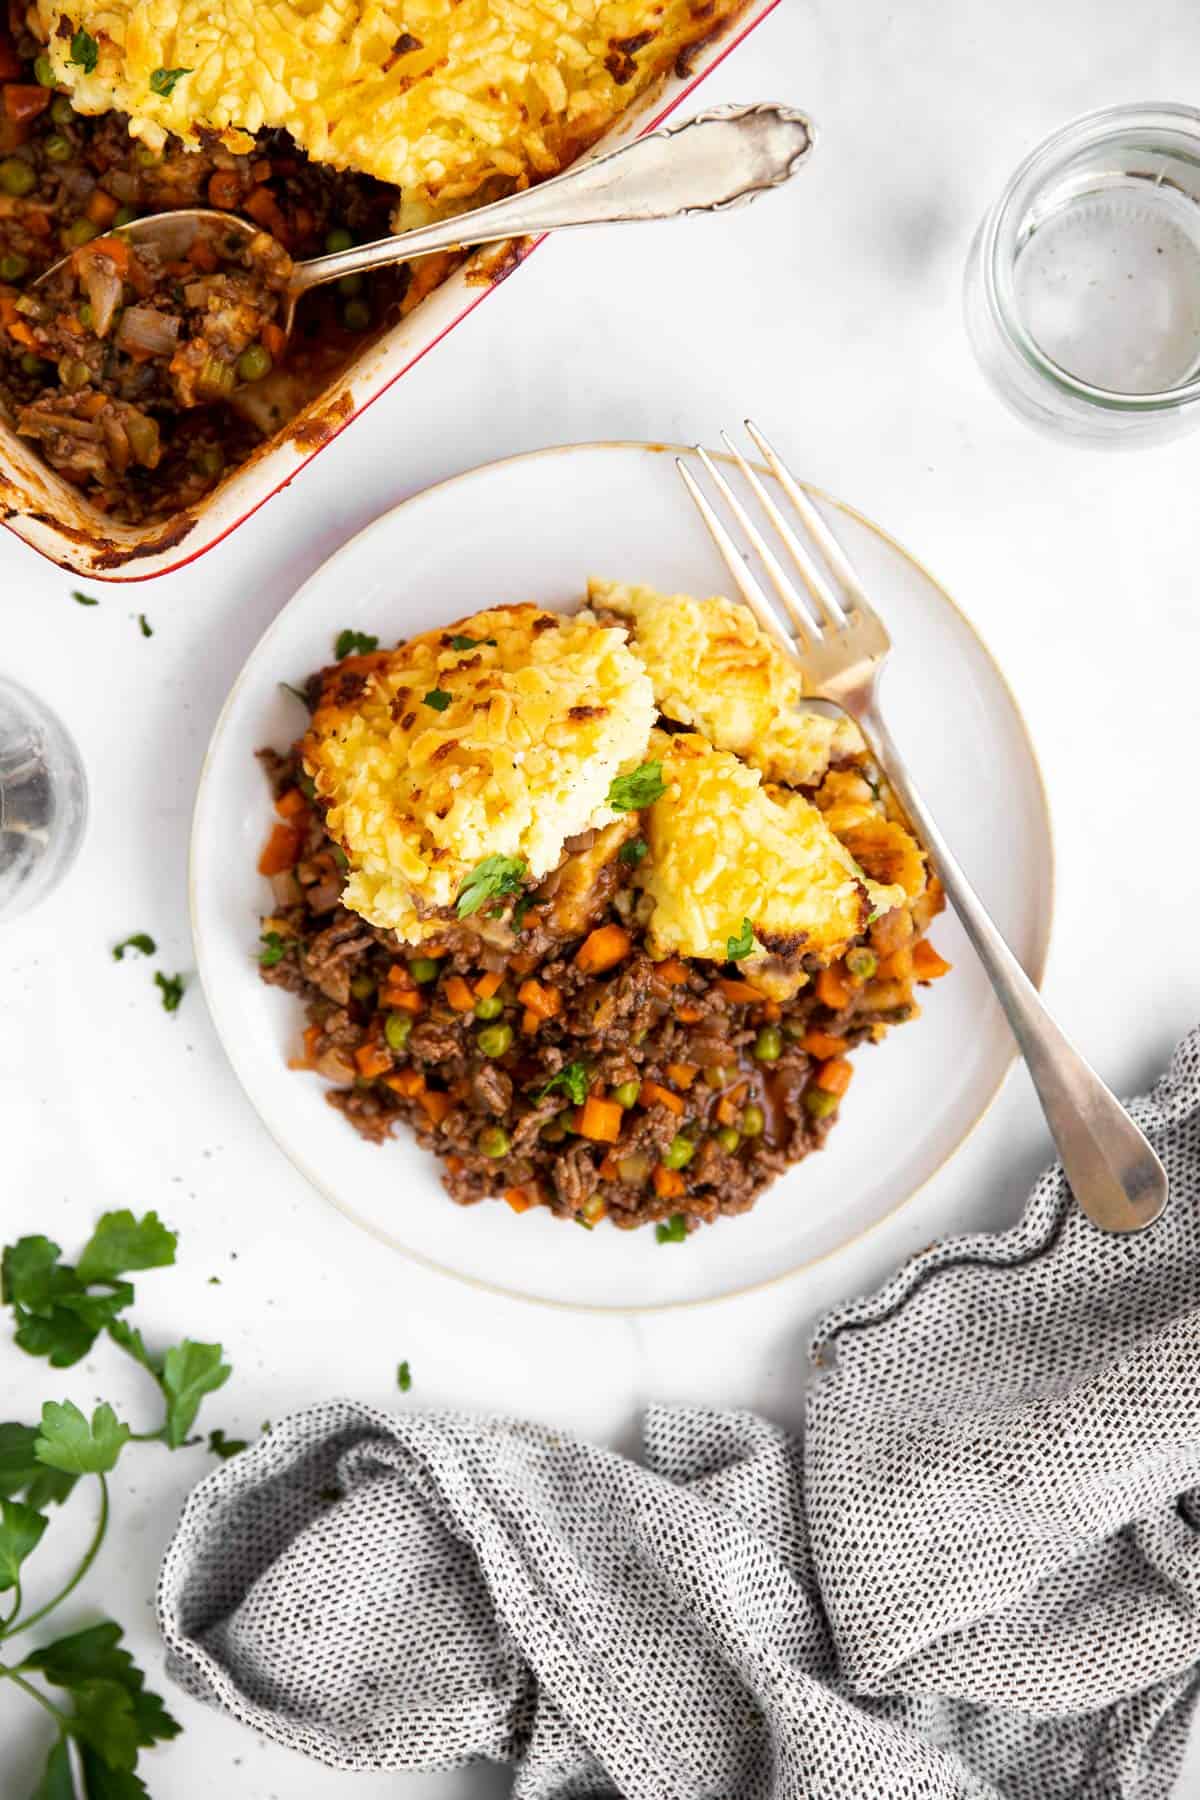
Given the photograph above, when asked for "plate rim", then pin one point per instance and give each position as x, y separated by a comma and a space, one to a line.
1036, 973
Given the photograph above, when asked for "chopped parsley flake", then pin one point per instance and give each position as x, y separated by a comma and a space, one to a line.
489, 880
140, 940
83, 599
633, 852
642, 787
571, 1081
674, 1231
85, 51
144, 626
162, 81
274, 949
438, 698
741, 945
354, 643
225, 1447
171, 988
519, 910
470, 643
404, 1378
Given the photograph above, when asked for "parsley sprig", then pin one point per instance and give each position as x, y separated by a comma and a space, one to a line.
354, 643
59, 1310
85, 51
641, 787
490, 879
162, 81
736, 948
571, 1081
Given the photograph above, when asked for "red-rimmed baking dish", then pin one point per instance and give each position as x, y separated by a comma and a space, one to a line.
52, 516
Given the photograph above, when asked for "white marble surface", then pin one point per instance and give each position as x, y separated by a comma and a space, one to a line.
832, 312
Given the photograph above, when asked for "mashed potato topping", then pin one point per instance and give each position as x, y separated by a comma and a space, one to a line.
498, 736
714, 667
725, 848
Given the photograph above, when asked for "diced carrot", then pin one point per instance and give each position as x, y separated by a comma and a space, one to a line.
460, 1088
545, 1002
521, 965
927, 964
261, 170
459, 994
263, 208
224, 189
101, 208
290, 803
311, 1038
274, 339
398, 976
654, 1094
688, 1015
116, 250
729, 1106
93, 406
668, 1183
683, 1074
822, 1044
831, 990
406, 1082
23, 103
599, 1120
282, 850
202, 256
403, 1000
372, 1060
772, 1012
488, 984
896, 967
603, 949
521, 1198
455, 1164
740, 992
835, 1077
672, 971
608, 1170
435, 1106
529, 1022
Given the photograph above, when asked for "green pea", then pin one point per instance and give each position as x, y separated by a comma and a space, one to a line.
254, 363
753, 1120
43, 71
818, 1103
86, 316
491, 1008
57, 148
494, 1040
124, 215
423, 969
356, 315
350, 285
146, 157
679, 1153
13, 266
626, 1094
768, 1045
728, 1138
16, 176
61, 110
338, 239
80, 233
861, 963
494, 1141
73, 373
32, 364
397, 1028
362, 987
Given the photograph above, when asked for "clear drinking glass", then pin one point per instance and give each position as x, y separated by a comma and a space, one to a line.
43, 800
1083, 283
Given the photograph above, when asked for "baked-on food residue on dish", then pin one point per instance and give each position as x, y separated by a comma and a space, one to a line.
593, 903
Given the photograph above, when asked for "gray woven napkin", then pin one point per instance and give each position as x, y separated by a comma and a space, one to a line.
978, 1576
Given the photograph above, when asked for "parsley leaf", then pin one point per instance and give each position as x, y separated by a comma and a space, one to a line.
641, 787
225, 1447
572, 1081
469, 643
57, 1782
172, 990
144, 626
273, 951
438, 698
633, 852
130, 1339
55, 1315
92, 1658
740, 946
105, 1783
66, 1440
162, 81
141, 940
121, 1244
82, 599
189, 1372
488, 880
85, 54
22, 1473
354, 643
674, 1231
404, 1378
21, 1531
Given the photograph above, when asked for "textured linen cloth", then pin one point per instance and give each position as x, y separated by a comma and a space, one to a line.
978, 1577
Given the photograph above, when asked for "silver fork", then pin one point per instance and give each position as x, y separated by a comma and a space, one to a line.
842, 644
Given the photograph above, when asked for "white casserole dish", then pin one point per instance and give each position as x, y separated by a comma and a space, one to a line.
51, 516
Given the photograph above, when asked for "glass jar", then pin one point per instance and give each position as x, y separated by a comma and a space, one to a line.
43, 800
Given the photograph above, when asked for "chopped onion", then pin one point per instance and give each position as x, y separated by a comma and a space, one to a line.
103, 286
146, 330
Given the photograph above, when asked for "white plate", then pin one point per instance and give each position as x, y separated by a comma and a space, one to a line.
534, 528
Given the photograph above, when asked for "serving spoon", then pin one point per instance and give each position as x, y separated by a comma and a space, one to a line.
709, 163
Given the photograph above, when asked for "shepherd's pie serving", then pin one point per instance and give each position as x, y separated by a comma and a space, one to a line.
540, 909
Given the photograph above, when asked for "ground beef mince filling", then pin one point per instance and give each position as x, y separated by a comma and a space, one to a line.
705, 1095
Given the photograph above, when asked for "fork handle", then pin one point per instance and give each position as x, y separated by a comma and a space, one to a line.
1112, 1170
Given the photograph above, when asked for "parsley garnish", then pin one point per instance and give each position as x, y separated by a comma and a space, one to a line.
140, 940
404, 1378
144, 626
741, 945
470, 643
273, 951
438, 698
225, 1447
642, 787
572, 1081
519, 911
172, 990
489, 880
162, 81
85, 51
354, 643
83, 599
633, 852
674, 1231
